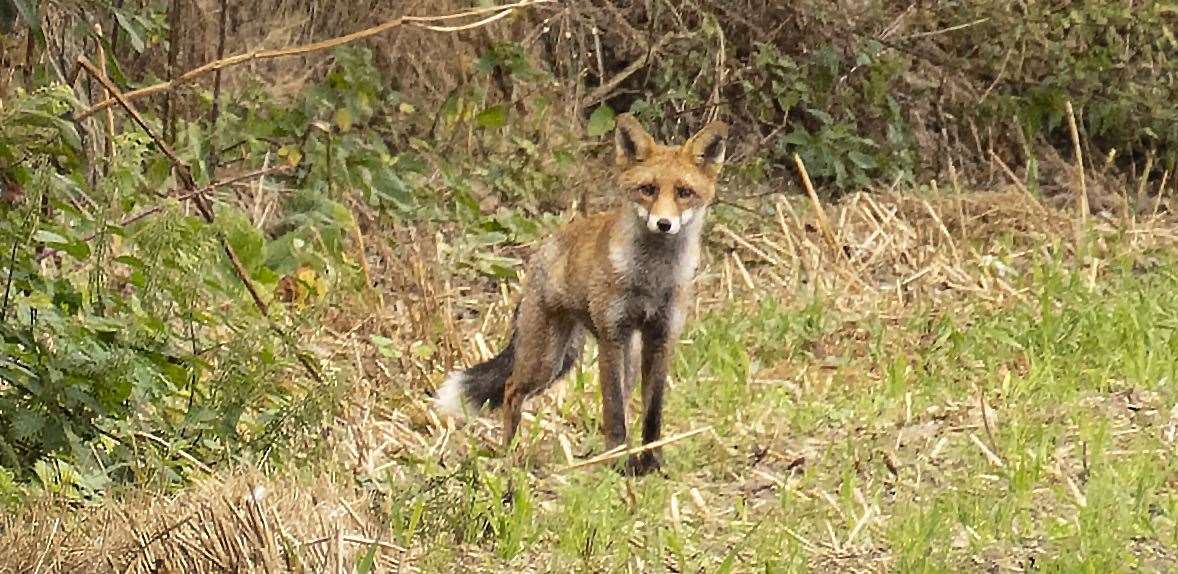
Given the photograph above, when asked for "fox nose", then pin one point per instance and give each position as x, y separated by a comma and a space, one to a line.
664, 225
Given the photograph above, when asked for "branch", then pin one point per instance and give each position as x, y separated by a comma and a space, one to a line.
422, 22
215, 114
603, 91
121, 98
11, 272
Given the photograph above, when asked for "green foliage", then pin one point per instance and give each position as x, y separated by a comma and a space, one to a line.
140, 355
10, 492
334, 129
873, 94
1114, 61
837, 111
29, 12
366, 562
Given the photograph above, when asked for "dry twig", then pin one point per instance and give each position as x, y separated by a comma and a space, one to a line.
620, 451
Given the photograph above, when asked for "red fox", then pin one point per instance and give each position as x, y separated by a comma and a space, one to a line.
624, 276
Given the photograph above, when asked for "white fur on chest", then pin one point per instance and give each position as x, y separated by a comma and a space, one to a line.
650, 275
629, 259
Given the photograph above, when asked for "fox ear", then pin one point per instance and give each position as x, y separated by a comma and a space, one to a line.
632, 143
706, 147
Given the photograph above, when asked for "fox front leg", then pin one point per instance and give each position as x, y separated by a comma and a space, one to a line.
656, 359
613, 401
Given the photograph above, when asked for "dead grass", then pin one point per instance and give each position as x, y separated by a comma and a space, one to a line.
244, 521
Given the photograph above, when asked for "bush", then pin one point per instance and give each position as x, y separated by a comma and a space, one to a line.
129, 348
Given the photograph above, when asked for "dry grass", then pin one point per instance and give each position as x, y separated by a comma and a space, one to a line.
241, 522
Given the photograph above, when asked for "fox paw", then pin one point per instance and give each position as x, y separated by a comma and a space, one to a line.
641, 464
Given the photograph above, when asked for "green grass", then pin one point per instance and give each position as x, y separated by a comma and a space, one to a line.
821, 417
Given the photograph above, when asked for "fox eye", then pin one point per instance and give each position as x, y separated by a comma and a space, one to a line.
684, 192
648, 190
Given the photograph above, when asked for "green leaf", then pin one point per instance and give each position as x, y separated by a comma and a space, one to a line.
422, 350
66, 129
365, 564
113, 69
343, 119
601, 121
69, 134
798, 137
821, 116
389, 187
77, 249
729, 563
46, 236
492, 117
133, 29
385, 346
27, 424
281, 254
862, 160
245, 239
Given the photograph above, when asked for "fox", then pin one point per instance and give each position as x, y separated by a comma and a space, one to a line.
623, 276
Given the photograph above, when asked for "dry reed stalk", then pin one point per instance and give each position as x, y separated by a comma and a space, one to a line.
1144, 181
728, 279
1010, 174
1081, 500
1161, 191
859, 526
944, 230
985, 414
1082, 192
361, 254
744, 272
745, 243
820, 212
110, 116
603, 91
989, 454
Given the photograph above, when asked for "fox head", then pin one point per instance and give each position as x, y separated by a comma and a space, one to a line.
668, 187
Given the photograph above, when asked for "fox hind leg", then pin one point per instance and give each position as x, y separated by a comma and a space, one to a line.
548, 347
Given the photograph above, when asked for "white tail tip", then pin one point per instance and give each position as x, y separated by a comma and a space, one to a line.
449, 400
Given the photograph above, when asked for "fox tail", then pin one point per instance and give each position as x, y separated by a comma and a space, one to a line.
483, 385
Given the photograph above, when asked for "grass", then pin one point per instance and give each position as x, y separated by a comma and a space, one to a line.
851, 442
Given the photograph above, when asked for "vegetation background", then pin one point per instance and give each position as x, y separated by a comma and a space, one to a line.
225, 302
